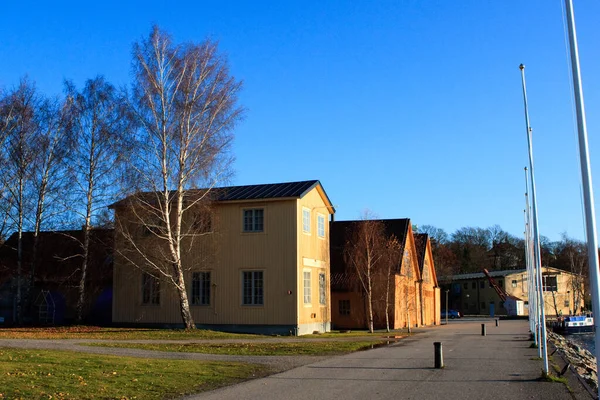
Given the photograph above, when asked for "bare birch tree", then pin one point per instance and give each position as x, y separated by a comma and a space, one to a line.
363, 252
185, 101
21, 125
391, 260
48, 170
101, 130
576, 254
7, 125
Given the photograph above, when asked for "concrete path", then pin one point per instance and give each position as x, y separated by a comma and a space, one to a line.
500, 365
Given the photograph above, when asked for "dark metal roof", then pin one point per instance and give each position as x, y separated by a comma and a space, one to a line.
505, 272
249, 192
265, 191
481, 275
341, 231
421, 247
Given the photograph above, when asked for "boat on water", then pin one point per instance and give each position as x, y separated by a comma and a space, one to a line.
572, 324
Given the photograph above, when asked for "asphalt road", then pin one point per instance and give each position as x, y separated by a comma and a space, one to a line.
500, 365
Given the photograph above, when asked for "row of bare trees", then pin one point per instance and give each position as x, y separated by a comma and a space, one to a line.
53, 165
470, 249
64, 160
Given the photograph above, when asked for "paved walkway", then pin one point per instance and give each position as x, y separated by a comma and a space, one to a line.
500, 365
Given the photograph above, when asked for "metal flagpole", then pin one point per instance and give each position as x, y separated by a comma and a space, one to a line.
586, 177
535, 292
528, 268
530, 288
536, 235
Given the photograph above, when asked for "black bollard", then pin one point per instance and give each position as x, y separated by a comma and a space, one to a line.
439, 356
482, 329
496, 321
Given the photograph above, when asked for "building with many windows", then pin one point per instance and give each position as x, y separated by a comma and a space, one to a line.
474, 293
263, 268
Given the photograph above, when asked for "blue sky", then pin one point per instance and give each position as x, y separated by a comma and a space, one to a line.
407, 108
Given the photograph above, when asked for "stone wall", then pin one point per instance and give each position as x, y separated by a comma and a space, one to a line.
581, 360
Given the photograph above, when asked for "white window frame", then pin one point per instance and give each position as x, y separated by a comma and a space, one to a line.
254, 296
320, 227
254, 228
307, 289
547, 287
306, 220
322, 289
201, 286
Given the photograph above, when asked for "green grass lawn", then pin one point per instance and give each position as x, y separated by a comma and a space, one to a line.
37, 374
308, 348
94, 332
352, 334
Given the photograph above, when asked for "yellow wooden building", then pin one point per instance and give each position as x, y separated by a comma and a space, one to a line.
429, 290
267, 270
473, 293
406, 297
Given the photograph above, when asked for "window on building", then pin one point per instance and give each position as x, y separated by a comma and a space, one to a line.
321, 225
322, 289
514, 283
482, 284
344, 307
307, 291
473, 285
465, 285
567, 303
252, 288
150, 289
201, 288
306, 220
550, 284
254, 220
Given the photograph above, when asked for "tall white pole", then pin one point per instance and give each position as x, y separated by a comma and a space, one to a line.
531, 312
536, 235
533, 316
586, 177
535, 293
528, 261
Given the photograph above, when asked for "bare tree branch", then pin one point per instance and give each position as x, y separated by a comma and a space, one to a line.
185, 102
